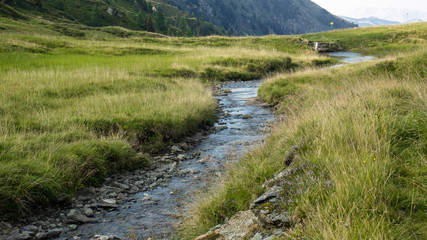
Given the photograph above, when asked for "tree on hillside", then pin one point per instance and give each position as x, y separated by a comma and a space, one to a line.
59, 4
95, 18
189, 33
141, 20
149, 8
142, 5
161, 25
182, 25
149, 26
200, 27
38, 3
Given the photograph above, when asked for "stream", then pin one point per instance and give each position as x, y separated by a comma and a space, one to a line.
154, 213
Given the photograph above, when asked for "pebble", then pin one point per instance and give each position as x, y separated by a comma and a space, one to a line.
181, 157
108, 203
73, 227
121, 185
88, 212
172, 167
30, 228
176, 149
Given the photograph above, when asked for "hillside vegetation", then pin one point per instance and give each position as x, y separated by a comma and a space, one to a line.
184, 18
357, 136
152, 15
79, 103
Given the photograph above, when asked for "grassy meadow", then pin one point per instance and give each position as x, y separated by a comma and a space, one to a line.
80, 103
357, 136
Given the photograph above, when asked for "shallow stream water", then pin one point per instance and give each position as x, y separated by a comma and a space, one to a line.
242, 126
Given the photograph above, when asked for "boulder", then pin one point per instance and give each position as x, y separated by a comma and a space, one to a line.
75, 216
327, 47
242, 225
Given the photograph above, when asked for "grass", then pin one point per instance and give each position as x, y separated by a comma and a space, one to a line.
362, 132
81, 103
379, 41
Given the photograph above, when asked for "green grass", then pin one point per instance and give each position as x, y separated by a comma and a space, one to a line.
360, 135
81, 103
378, 41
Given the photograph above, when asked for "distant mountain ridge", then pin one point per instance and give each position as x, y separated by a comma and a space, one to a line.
184, 17
261, 17
371, 21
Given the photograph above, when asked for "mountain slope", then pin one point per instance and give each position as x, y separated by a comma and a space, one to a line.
369, 22
260, 17
185, 17
124, 13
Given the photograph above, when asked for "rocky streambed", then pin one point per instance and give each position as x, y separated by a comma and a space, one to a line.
148, 203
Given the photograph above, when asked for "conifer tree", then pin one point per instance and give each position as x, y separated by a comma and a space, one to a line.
161, 22
38, 3
95, 18
149, 26
189, 33
200, 27
149, 8
142, 5
182, 25
59, 4
141, 20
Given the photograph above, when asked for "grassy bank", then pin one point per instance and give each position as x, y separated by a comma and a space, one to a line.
80, 103
359, 134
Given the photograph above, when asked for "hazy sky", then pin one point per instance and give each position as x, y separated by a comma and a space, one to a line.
388, 9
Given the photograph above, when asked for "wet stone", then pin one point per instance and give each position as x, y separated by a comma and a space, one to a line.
50, 234
172, 167
112, 195
139, 183
18, 236
88, 212
32, 228
76, 216
103, 237
121, 185
133, 190
176, 149
72, 227
108, 203
180, 157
